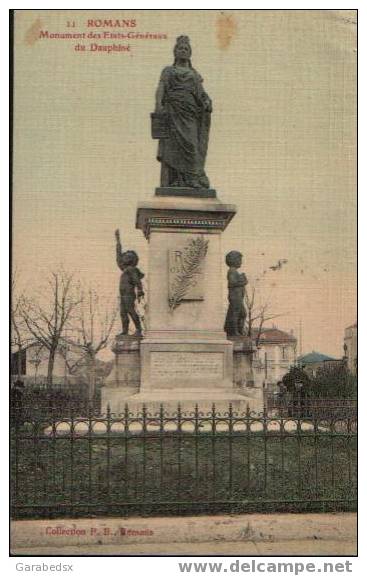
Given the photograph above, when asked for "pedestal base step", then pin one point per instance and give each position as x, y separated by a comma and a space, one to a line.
187, 399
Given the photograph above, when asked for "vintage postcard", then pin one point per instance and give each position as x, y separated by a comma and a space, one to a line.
184, 329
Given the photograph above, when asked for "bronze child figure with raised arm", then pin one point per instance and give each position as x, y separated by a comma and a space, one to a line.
236, 314
181, 121
130, 286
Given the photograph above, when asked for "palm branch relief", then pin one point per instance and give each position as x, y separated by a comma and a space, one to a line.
192, 262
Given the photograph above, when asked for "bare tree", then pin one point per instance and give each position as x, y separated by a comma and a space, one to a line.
47, 317
250, 292
38, 353
257, 314
92, 326
20, 337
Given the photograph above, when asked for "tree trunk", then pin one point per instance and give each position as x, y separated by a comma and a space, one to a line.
92, 377
249, 326
50, 368
19, 362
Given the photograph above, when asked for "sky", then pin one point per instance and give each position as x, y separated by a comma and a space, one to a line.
282, 148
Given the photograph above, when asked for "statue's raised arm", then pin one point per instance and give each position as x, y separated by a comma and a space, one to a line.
181, 121
119, 251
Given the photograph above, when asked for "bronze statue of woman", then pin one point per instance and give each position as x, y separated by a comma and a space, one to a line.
185, 107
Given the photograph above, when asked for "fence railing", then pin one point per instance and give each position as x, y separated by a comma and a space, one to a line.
39, 402
302, 405
181, 463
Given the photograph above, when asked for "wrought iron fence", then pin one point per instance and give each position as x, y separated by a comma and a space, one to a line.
143, 463
301, 405
41, 402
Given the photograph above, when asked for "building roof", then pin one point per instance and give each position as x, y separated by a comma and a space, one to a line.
313, 357
274, 336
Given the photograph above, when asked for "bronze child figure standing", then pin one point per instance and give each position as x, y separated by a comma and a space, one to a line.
130, 286
236, 314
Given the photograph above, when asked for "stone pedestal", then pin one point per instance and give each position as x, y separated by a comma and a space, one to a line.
124, 378
243, 376
186, 363
185, 356
185, 345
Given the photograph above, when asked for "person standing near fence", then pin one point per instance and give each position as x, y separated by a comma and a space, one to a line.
17, 393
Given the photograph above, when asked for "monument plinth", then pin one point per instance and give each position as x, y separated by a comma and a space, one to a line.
185, 344
124, 378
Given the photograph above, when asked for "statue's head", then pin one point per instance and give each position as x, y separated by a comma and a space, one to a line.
129, 258
182, 49
234, 259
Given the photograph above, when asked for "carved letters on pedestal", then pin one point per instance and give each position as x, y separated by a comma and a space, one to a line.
186, 272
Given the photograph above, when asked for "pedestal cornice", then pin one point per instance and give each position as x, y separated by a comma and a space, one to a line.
183, 213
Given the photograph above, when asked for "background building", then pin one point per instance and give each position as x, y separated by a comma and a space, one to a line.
70, 367
34, 364
314, 361
275, 354
350, 347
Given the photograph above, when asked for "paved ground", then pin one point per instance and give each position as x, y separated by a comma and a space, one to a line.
244, 534
285, 547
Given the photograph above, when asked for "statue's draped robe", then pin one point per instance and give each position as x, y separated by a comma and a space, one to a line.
185, 150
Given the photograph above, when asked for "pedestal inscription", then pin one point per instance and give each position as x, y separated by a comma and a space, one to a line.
186, 271
178, 365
